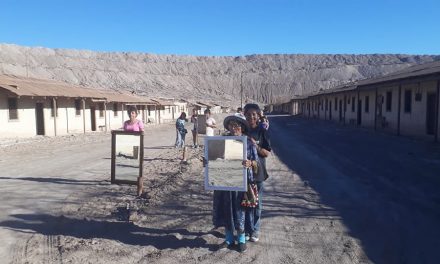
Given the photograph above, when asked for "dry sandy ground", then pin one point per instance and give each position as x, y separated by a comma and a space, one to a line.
59, 207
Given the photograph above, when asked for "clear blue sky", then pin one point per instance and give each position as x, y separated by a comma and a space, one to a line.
225, 27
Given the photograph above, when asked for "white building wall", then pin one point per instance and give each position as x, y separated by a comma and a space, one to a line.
368, 117
350, 114
75, 122
115, 122
414, 122
390, 116
25, 125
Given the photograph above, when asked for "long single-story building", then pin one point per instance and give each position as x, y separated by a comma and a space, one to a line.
405, 102
30, 107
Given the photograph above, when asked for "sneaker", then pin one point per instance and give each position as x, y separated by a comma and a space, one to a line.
247, 236
241, 247
254, 238
225, 245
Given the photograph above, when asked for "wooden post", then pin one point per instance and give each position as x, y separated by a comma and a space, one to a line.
84, 114
122, 113
437, 111
345, 108
105, 115
359, 110
160, 108
155, 114
113, 161
54, 108
375, 112
140, 183
67, 120
398, 109
140, 186
184, 154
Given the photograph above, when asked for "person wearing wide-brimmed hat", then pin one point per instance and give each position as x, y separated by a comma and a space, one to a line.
228, 208
260, 139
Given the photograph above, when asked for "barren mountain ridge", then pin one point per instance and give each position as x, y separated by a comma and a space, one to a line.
264, 78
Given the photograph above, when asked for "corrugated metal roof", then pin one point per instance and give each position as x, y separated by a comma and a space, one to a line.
196, 104
128, 98
163, 102
413, 71
205, 104
21, 86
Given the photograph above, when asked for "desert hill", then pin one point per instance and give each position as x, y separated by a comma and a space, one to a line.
265, 78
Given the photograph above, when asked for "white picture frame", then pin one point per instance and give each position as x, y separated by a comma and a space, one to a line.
223, 163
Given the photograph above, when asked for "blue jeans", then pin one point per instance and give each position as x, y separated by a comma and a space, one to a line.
253, 215
180, 139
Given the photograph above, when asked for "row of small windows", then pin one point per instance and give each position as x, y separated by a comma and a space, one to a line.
13, 108
388, 103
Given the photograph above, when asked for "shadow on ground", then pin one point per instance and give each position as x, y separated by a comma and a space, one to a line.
54, 180
384, 188
124, 232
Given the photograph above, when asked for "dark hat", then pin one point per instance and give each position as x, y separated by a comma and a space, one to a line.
244, 124
247, 107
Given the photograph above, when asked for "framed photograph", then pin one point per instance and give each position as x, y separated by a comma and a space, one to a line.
127, 156
224, 170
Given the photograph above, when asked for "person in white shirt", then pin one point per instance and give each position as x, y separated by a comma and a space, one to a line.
210, 123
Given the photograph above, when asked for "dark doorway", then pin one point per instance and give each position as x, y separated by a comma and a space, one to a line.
39, 118
359, 115
93, 117
340, 110
430, 113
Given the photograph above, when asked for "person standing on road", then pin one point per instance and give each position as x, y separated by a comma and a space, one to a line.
195, 128
181, 130
260, 139
210, 123
133, 124
228, 208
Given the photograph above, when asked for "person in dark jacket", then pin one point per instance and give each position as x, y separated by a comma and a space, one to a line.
181, 130
260, 139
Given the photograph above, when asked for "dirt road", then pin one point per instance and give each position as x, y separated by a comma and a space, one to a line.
320, 206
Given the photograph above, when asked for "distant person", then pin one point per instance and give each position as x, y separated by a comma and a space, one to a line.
231, 207
195, 127
210, 123
260, 139
240, 113
263, 121
181, 130
133, 124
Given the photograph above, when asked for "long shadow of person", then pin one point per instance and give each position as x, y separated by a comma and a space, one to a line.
127, 233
